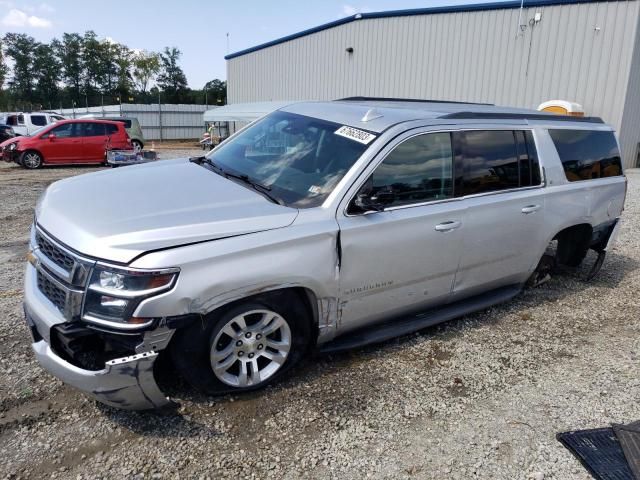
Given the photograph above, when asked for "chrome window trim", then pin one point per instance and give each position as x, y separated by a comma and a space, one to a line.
531, 128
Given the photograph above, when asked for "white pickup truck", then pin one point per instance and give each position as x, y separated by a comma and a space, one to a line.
27, 123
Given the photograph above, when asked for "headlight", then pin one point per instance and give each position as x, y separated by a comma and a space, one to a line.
114, 294
12, 146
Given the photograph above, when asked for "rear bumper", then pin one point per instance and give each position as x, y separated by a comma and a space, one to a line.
126, 382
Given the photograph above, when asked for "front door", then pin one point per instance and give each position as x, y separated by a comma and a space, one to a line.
403, 258
65, 146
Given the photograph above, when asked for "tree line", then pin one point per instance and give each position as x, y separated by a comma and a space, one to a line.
85, 71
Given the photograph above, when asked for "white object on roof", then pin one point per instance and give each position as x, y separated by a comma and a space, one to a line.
243, 112
563, 107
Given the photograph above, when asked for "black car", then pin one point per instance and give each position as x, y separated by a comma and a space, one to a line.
6, 132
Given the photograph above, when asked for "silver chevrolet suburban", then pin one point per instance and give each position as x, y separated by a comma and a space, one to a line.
322, 226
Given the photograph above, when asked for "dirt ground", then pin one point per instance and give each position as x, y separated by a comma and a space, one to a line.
479, 397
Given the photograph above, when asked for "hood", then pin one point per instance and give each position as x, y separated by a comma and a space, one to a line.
118, 214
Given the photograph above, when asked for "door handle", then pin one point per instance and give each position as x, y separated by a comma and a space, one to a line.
448, 226
530, 209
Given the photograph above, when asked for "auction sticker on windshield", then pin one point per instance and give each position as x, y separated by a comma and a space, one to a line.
355, 134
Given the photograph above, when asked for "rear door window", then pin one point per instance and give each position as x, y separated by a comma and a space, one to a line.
93, 129
587, 154
38, 120
418, 170
494, 160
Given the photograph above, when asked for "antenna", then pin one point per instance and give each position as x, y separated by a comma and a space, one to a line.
227, 43
371, 114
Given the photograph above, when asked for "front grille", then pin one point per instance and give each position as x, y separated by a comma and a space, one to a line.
54, 253
55, 294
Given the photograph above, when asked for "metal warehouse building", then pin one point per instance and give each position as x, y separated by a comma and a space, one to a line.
582, 51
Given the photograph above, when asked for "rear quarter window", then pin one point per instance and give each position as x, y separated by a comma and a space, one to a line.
587, 154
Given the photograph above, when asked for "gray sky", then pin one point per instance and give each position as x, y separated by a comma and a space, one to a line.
197, 28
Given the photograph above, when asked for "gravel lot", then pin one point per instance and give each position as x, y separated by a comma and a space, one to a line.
479, 397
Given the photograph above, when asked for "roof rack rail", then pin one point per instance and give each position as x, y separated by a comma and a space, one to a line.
520, 116
417, 100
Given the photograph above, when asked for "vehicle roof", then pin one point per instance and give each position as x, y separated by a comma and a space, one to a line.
386, 112
86, 120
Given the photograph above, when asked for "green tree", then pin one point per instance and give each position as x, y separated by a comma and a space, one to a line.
172, 80
146, 65
3, 66
70, 51
122, 61
20, 48
96, 65
216, 92
47, 74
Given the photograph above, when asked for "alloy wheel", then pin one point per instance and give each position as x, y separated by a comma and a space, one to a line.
31, 160
250, 348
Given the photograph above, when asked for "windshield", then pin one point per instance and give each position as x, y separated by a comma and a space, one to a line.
299, 159
38, 131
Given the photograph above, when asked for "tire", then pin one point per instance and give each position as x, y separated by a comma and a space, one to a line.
31, 160
244, 347
572, 248
137, 145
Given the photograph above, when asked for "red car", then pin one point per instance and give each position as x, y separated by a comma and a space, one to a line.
67, 141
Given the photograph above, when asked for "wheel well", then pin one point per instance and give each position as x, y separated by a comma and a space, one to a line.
573, 244
304, 295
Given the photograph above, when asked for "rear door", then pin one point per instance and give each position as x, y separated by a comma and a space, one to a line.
499, 180
65, 146
94, 142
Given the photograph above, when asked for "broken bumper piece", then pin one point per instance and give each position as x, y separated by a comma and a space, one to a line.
126, 382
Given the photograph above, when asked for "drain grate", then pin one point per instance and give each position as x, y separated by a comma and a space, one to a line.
599, 451
629, 437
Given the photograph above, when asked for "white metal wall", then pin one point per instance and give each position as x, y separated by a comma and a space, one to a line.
630, 127
578, 52
178, 122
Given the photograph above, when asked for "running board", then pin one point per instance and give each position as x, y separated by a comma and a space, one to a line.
405, 325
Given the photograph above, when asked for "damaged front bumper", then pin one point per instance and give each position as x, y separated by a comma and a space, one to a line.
124, 382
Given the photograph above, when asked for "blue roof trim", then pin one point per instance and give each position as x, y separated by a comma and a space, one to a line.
473, 7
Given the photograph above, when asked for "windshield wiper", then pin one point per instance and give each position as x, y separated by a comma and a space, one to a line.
262, 189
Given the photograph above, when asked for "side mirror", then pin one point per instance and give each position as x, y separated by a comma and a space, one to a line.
51, 137
377, 202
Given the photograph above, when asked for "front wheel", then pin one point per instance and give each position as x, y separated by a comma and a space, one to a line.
244, 348
31, 160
